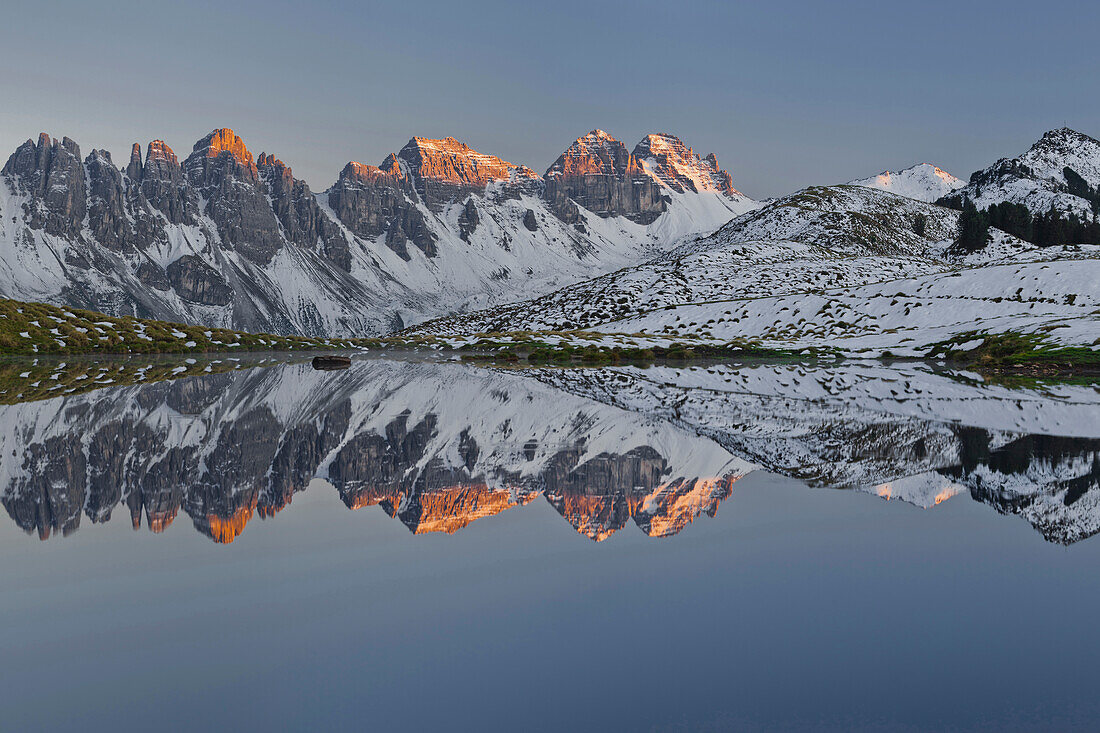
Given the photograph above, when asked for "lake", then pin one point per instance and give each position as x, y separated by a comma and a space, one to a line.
417, 543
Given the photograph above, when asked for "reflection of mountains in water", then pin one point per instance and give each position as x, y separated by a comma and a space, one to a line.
435, 445
438, 446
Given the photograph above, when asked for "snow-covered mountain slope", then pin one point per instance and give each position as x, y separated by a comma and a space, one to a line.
437, 446
849, 220
231, 240
839, 267
900, 432
1055, 298
923, 182
1054, 172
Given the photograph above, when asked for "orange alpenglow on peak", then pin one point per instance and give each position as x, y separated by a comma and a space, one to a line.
453, 161
680, 168
364, 172
159, 150
224, 530
224, 139
596, 153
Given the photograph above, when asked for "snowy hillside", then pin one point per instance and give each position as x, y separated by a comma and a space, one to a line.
840, 267
923, 182
1039, 179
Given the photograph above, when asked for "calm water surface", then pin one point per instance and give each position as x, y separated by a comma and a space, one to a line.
409, 545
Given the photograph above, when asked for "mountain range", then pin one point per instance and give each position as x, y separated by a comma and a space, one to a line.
228, 239
442, 239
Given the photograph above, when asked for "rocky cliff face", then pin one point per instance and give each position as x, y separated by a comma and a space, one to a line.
51, 175
222, 171
448, 170
303, 222
162, 182
372, 202
598, 173
134, 241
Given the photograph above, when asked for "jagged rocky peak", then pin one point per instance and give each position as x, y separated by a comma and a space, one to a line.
107, 203
296, 208
680, 168
133, 168
217, 164
51, 174
363, 173
372, 201
224, 139
220, 154
162, 182
596, 153
447, 170
600, 174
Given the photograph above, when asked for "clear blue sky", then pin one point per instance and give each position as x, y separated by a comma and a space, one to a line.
787, 94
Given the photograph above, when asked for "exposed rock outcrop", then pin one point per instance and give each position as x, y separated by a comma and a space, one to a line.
197, 282
447, 170
598, 173
222, 170
371, 201
51, 174
468, 220
680, 168
530, 221
162, 182
298, 211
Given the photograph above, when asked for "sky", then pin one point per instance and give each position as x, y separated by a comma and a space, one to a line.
786, 94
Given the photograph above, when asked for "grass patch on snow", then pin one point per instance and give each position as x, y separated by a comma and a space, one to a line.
1016, 351
34, 329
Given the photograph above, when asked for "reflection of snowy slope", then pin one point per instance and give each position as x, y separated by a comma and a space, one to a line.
903, 433
438, 446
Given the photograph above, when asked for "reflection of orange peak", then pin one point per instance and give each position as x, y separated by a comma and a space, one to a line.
224, 530
674, 506
446, 509
450, 509
159, 521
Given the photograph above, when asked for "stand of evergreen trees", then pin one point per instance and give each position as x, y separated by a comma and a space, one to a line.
973, 231
1046, 230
